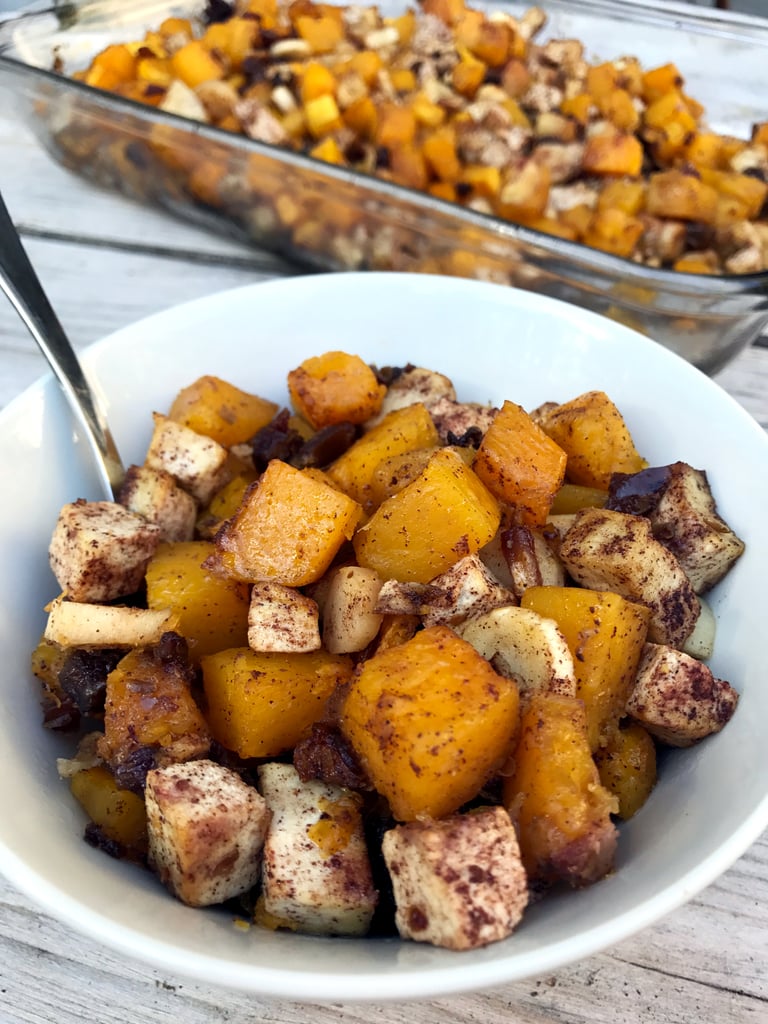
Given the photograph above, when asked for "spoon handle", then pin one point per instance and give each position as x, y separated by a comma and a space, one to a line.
20, 283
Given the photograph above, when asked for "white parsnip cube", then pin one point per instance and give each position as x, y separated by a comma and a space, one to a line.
206, 831
76, 624
458, 882
99, 550
316, 871
196, 463
350, 617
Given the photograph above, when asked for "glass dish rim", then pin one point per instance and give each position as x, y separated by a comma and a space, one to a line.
583, 258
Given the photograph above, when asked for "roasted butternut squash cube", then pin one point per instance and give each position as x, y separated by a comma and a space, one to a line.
401, 431
605, 633
572, 497
194, 64
149, 704
287, 530
627, 767
335, 388
211, 610
613, 153
681, 196
261, 704
593, 434
446, 513
219, 410
750, 192
658, 81
554, 796
431, 722
119, 814
520, 464
224, 503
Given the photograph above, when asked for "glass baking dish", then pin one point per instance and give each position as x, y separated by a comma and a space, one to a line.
330, 218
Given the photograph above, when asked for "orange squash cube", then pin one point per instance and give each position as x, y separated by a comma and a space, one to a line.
520, 464
259, 705
212, 610
605, 633
593, 434
287, 530
681, 196
613, 153
561, 810
444, 514
430, 721
149, 703
219, 410
401, 431
194, 64
335, 388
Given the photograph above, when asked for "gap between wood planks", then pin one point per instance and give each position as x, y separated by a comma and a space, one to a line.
258, 260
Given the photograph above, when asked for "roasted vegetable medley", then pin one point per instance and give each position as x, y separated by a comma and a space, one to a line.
385, 662
463, 104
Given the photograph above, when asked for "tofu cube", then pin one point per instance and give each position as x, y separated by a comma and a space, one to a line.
316, 875
206, 831
281, 619
458, 882
464, 591
99, 550
153, 494
677, 698
608, 550
196, 463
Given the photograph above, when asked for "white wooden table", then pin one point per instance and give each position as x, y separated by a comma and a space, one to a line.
106, 262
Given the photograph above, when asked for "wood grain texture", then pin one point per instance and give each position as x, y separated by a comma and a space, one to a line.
106, 263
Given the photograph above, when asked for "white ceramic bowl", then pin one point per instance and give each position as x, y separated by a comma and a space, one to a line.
711, 802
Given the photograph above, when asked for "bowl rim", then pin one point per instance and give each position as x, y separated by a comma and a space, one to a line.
363, 986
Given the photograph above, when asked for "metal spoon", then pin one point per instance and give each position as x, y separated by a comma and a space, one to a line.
22, 286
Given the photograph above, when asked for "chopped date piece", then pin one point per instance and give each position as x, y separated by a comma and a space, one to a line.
217, 10
94, 836
60, 713
278, 440
83, 677
471, 438
326, 445
132, 773
637, 493
388, 374
326, 755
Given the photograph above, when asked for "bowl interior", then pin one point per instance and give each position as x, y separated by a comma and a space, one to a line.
495, 343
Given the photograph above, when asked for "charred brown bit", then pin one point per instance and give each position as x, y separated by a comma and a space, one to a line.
83, 677
326, 755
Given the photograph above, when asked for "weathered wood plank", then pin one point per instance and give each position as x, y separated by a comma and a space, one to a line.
698, 964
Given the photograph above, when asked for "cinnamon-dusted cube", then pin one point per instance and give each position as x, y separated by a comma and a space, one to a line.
520, 464
99, 550
282, 619
154, 494
458, 883
196, 462
206, 831
677, 698
335, 388
287, 530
